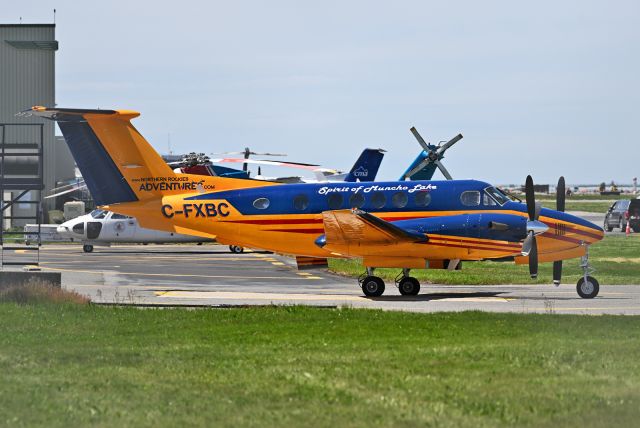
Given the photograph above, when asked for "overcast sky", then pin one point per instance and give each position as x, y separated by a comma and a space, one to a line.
546, 88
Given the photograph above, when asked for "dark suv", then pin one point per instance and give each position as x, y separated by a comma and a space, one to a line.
622, 212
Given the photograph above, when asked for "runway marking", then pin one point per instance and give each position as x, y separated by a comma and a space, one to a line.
230, 295
304, 273
21, 251
277, 263
169, 274
312, 277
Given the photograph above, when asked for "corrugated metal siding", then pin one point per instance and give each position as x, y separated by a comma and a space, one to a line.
27, 78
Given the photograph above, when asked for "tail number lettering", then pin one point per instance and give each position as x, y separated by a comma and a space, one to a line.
196, 210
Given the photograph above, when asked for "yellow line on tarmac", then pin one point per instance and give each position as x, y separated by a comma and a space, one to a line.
277, 263
169, 274
255, 296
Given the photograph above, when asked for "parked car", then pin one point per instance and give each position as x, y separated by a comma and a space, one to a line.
622, 212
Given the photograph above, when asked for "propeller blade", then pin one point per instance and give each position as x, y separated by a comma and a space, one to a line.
538, 208
533, 259
423, 143
530, 198
561, 194
419, 167
557, 272
448, 144
527, 244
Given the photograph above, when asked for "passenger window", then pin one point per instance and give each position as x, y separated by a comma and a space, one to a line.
422, 199
399, 199
261, 203
117, 216
79, 228
378, 200
335, 201
301, 202
470, 198
356, 200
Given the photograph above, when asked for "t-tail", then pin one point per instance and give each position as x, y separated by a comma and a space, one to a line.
118, 164
366, 167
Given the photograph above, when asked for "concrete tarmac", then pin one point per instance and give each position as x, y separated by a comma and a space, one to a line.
210, 275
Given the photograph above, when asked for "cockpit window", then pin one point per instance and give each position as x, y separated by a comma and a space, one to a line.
117, 216
98, 214
496, 195
470, 198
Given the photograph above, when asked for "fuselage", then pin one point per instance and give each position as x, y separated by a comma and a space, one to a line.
456, 215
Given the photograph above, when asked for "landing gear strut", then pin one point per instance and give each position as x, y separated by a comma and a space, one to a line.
407, 285
587, 287
372, 286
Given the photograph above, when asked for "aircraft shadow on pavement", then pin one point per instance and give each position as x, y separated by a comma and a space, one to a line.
437, 296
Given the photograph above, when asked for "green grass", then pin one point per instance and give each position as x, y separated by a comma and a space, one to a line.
592, 207
85, 365
616, 258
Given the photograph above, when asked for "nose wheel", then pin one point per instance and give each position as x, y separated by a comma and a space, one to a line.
587, 287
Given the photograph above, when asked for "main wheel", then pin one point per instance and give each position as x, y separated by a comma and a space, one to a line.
588, 289
87, 248
409, 286
372, 286
236, 249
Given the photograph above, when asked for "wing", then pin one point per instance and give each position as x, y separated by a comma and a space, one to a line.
345, 227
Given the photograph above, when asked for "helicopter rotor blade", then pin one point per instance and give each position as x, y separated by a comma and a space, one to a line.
449, 143
443, 170
423, 143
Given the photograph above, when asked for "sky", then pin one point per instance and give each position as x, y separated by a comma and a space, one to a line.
546, 88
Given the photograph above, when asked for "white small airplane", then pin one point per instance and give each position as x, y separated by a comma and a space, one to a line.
102, 228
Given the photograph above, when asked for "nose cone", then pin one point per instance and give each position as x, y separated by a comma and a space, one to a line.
62, 229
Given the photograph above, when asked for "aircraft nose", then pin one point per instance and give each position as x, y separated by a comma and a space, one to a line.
62, 229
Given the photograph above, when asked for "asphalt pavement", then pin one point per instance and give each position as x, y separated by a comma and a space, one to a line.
210, 275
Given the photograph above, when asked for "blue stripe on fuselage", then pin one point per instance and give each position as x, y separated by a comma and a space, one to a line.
444, 196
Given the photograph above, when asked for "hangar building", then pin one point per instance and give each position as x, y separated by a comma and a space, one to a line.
27, 78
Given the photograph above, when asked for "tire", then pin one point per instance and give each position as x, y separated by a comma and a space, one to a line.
87, 248
409, 286
236, 249
588, 290
372, 286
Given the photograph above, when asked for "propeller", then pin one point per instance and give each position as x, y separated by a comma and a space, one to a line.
434, 154
560, 198
248, 152
534, 228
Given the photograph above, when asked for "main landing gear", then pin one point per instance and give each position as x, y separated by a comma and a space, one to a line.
587, 287
373, 286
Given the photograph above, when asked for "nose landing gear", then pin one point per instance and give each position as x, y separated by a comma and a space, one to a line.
587, 287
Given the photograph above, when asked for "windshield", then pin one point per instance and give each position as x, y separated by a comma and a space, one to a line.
98, 214
496, 195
